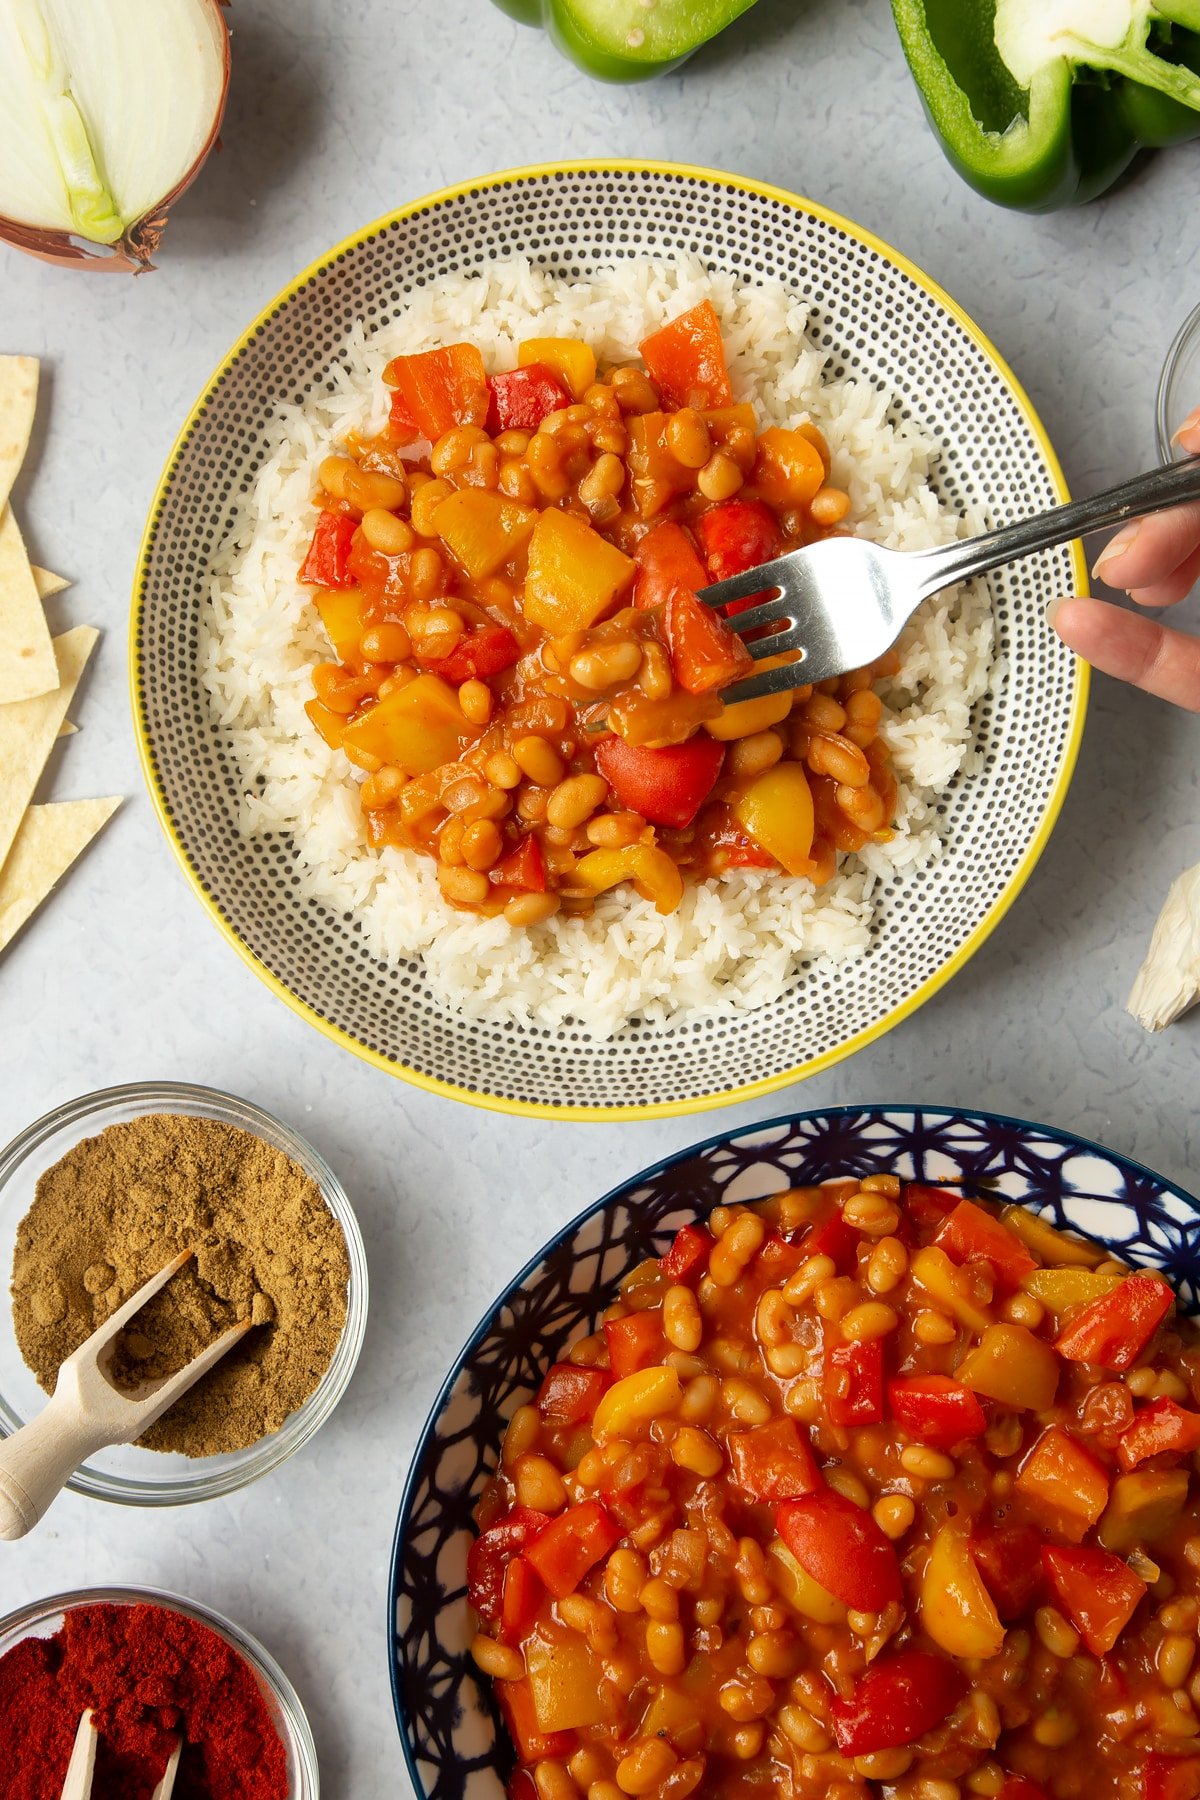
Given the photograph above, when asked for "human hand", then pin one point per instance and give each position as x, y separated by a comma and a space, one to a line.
1157, 561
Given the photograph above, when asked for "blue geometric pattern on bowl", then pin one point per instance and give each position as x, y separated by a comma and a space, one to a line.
453, 1741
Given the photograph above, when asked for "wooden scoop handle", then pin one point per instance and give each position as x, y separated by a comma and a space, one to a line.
37, 1461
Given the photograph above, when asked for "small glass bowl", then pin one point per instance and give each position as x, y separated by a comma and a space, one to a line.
1178, 386
125, 1473
42, 1618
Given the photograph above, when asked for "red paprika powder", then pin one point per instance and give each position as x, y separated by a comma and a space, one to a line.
149, 1676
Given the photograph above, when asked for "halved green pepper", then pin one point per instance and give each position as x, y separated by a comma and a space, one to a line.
1033, 109
627, 40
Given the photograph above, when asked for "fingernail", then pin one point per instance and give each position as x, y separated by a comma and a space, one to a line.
1191, 423
1116, 546
1053, 608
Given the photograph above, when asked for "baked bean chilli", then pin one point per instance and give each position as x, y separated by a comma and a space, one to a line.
871, 1489
521, 666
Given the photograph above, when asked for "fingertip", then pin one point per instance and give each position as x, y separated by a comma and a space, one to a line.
1188, 435
1062, 612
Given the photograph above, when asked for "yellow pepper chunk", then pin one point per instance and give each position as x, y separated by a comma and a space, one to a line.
636, 1400
565, 1681
1141, 1507
788, 470
574, 575
416, 729
747, 716
482, 530
341, 615
1057, 1248
1060, 1289
651, 871
1009, 1364
949, 1287
776, 810
330, 724
955, 1607
570, 360
800, 1590
672, 1714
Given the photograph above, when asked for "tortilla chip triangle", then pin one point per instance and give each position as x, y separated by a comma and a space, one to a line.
27, 664
18, 398
28, 729
48, 842
47, 584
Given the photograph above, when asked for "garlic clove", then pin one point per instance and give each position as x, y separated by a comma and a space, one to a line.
1168, 982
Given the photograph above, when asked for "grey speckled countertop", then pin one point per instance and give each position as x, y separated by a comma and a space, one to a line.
336, 114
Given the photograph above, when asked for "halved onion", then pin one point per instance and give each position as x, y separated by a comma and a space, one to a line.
108, 109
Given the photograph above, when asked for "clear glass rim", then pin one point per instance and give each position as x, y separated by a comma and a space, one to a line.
181, 1489
1162, 406
299, 1733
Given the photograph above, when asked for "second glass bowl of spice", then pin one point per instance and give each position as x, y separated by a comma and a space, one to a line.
151, 1668
97, 1195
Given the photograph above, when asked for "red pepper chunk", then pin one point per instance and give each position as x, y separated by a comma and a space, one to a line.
524, 867
519, 1602
972, 1235
778, 1259
634, 1343
842, 1548
898, 1700
437, 390
490, 1554
773, 1462
1018, 1788
686, 359
666, 559
515, 1700
1159, 1429
570, 1394
1170, 1778
835, 1239
1099, 1593
403, 426
327, 564
520, 399
737, 535
488, 651
1064, 1484
852, 1382
571, 1545
668, 786
688, 1256
1008, 1558
1114, 1330
705, 654
936, 1410
925, 1204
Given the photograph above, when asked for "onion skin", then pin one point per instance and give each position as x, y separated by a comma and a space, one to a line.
132, 253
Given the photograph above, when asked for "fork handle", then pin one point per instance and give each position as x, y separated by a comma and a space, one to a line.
1149, 493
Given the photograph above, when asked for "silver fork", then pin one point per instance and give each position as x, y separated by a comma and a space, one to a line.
844, 601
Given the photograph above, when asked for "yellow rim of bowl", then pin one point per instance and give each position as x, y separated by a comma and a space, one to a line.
730, 1096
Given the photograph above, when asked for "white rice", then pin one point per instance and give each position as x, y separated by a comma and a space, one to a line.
733, 944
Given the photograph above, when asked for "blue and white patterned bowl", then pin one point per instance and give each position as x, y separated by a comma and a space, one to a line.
453, 1743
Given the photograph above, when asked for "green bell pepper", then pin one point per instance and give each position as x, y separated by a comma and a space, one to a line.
1044, 103
627, 40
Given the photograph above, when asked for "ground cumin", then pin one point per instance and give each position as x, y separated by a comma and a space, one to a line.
265, 1247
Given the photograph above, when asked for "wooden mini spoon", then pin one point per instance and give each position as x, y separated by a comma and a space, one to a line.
86, 1412
166, 1786
82, 1767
